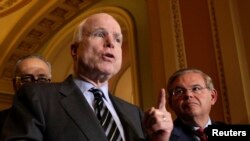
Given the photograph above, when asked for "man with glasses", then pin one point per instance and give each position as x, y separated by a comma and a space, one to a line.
191, 96
29, 69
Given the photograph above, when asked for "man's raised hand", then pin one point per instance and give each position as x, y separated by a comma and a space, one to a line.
158, 121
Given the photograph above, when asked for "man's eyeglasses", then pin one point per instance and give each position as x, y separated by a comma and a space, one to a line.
179, 91
31, 79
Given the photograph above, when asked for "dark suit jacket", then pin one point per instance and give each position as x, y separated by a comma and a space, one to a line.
3, 116
182, 132
60, 112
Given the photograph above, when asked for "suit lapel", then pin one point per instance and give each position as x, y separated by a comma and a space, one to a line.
79, 110
128, 120
182, 132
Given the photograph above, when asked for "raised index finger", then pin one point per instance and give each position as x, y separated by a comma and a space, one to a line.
161, 103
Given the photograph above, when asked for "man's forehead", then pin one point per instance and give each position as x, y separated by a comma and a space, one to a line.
190, 78
102, 21
100, 16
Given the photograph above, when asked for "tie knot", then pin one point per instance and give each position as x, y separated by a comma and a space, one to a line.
201, 134
97, 93
200, 130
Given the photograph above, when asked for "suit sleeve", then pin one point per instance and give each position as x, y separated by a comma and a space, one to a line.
25, 120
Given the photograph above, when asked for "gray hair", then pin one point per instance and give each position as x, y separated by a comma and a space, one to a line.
78, 33
174, 76
16, 70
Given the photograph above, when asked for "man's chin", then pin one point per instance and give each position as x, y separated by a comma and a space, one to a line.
109, 72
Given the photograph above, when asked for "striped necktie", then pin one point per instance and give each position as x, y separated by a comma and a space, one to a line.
104, 116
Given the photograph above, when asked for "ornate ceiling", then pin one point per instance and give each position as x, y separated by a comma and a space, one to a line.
44, 28
27, 28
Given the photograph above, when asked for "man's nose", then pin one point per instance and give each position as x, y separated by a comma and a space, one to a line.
109, 41
188, 93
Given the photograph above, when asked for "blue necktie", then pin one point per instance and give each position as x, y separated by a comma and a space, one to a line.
105, 117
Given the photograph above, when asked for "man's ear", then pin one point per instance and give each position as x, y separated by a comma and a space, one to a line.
214, 96
16, 84
74, 49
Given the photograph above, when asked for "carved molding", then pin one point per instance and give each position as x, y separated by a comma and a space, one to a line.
9, 6
219, 60
178, 33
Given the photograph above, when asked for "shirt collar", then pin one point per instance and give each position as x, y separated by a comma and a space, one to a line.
209, 122
85, 86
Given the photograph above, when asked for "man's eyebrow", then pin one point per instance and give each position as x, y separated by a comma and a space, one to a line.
42, 74
117, 34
